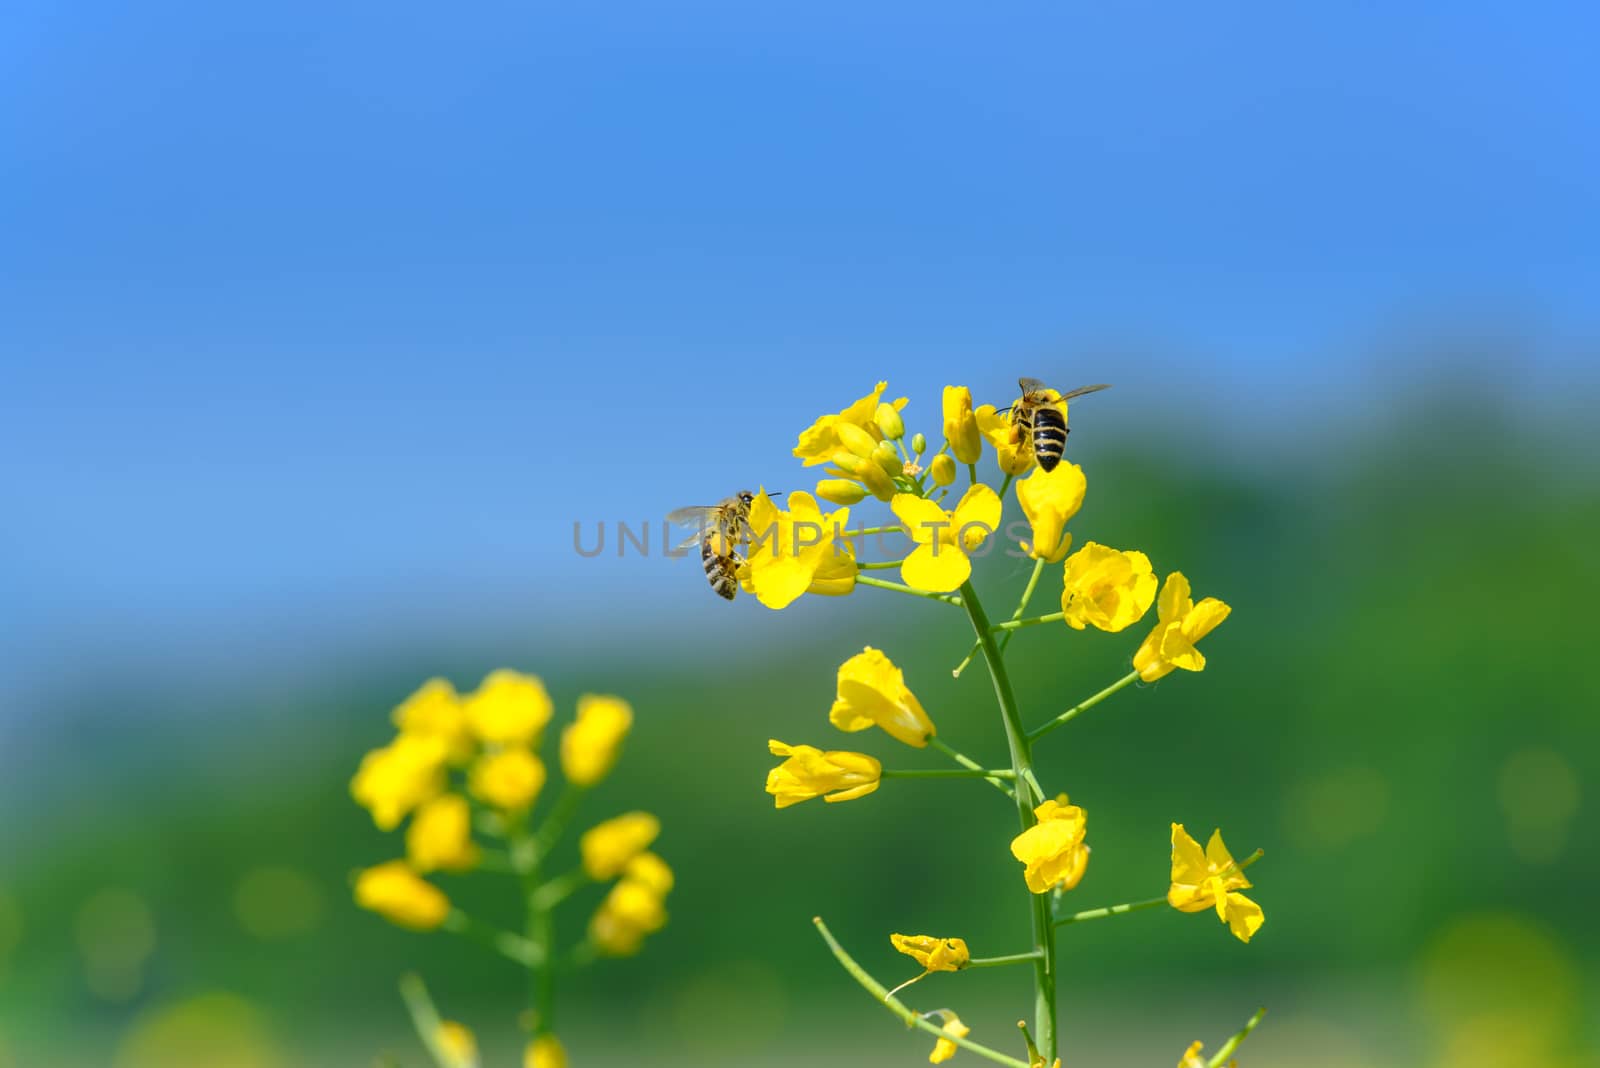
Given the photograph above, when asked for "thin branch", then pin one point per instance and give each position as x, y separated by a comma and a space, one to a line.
424, 1017
1082, 706
947, 598
911, 1019
1232, 1044
995, 962
967, 762
948, 773
1111, 910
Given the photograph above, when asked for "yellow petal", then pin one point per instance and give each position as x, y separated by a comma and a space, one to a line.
976, 517
1244, 917
1049, 499
924, 521
1204, 618
872, 691
960, 425
937, 568
1175, 601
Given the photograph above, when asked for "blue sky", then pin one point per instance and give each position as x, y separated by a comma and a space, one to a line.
309, 313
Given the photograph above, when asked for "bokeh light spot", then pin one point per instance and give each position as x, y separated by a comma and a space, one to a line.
116, 935
278, 902
1539, 795
213, 1030
1332, 809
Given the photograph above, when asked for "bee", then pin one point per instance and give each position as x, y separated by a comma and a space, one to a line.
1036, 420
722, 531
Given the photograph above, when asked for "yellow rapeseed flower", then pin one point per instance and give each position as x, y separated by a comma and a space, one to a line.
1104, 588
873, 692
1181, 624
1192, 1058
798, 551
508, 779
944, 1049
395, 892
1211, 880
629, 912
934, 954
809, 772
939, 563
457, 1044
1013, 450
608, 847
1049, 499
942, 469
589, 745
819, 441
1052, 851
546, 1051
960, 425
435, 711
508, 708
440, 835
397, 778
651, 871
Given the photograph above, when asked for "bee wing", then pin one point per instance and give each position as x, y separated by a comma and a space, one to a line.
1032, 385
1081, 390
695, 515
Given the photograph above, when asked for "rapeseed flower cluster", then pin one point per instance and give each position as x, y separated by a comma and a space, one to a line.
466, 776
799, 548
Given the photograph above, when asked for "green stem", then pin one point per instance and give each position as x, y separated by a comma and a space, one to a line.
1017, 624
1222, 1055
1083, 706
1005, 485
556, 822
947, 773
867, 531
1044, 969
995, 962
911, 1018
967, 762
947, 598
560, 888
972, 473
1111, 910
1022, 602
424, 1017
878, 565
508, 944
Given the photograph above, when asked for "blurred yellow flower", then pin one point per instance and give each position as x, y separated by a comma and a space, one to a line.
457, 1044
1211, 880
944, 1049
1105, 588
440, 835
819, 441
939, 563
1181, 624
395, 892
508, 708
873, 692
809, 772
608, 847
934, 954
1012, 449
1049, 499
546, 1051
434, 711
1053, 851
960, 425
1192, 1058
629, 912
792, 551
589, 745
651, 871
397, 778
508, 779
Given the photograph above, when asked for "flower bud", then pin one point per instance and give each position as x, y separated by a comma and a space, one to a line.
888, 419
840, 490
855, 439
960, 425
876, 479
943, 469
887, 457
919, 443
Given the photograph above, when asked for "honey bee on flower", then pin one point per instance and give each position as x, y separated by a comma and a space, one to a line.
722, 531
1039, 419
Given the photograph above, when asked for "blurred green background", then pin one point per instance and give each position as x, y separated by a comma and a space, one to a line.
1400, 712
321, 327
